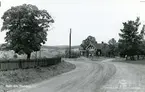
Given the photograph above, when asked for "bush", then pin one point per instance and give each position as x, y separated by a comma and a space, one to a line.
15, 56
5, 56
74, 54
62, 55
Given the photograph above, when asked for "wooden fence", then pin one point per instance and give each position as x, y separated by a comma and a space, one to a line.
23, 64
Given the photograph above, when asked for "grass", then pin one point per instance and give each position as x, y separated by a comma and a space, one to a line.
142, 62
30, 76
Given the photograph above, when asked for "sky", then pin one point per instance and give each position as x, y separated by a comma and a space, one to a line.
99, 18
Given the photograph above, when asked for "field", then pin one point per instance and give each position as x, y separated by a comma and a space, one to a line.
46, 51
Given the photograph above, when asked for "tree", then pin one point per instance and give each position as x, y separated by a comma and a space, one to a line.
129, 38
26, 28
105, 49
142, 44
142, 33
87, 41
112, 47
4, 46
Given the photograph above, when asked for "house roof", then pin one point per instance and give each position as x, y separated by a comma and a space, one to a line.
99, 46
96, 45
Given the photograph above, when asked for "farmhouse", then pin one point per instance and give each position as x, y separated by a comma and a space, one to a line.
91, 50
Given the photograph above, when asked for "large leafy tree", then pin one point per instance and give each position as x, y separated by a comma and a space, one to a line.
26, 28
130, 38
87, 41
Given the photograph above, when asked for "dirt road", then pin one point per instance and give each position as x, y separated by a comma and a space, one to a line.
87, 77
128, 78
94, 76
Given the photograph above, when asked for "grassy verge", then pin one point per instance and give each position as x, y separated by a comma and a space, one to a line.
123, 60
87, 59
30, 76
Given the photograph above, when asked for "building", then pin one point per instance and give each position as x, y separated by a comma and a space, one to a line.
91, 50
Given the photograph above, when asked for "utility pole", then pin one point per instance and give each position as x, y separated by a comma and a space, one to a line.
70, 44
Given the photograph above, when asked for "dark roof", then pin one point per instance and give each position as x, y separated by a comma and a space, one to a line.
99, 46
96, 45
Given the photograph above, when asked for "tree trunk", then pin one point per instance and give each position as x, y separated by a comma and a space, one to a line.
28, 56
137, 57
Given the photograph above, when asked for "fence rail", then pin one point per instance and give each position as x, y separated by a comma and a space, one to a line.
23, 64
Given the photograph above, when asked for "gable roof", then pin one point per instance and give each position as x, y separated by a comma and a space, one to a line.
91, 45
96, 45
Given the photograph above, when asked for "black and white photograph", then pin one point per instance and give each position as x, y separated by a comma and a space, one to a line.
72, 45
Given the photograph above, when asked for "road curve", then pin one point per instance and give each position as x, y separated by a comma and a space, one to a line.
87, 77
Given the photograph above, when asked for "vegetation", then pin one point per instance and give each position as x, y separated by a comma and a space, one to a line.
74, 54
113, 47
32, 75
105, 49
87, 41
131, 42
109, 50
26, 28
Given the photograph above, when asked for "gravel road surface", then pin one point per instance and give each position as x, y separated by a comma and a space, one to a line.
128, 78
88, 76
94, 76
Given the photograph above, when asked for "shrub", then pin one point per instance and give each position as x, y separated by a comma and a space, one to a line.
74, 54
15, 56
5, 56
